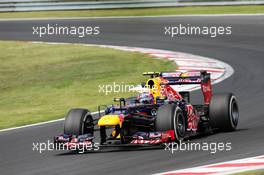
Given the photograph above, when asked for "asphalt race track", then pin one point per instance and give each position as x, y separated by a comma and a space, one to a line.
243, 50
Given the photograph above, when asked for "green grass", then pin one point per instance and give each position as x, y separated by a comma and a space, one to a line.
255, 172
40, 82
140, 12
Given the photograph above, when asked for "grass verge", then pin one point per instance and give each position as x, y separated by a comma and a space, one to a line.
140, 12
40, 82
254, 172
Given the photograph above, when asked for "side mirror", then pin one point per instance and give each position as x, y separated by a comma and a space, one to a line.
120, 100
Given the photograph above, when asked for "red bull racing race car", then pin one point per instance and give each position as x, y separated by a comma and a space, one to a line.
157, 116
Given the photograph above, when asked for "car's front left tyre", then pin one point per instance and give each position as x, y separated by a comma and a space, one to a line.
171, 117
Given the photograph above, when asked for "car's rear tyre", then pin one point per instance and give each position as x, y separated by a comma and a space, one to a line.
78, 122
223, 112
171, 117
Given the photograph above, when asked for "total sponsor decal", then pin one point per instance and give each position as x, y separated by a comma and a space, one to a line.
223, 168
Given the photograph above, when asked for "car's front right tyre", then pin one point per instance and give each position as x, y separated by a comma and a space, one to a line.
78, 122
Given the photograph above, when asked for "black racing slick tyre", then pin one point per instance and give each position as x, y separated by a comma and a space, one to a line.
171, 117
78, 122
223, 112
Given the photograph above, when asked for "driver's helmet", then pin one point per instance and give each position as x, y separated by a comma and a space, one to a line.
145, 98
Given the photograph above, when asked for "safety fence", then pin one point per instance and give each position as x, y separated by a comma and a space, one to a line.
48, 5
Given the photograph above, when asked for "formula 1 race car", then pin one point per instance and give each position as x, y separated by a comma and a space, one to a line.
160, 115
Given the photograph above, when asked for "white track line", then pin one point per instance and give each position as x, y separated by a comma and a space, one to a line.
127, 17
219, 69
37, 124
222, 168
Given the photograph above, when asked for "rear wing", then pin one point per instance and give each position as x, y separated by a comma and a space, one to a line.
151, 74
185, 78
